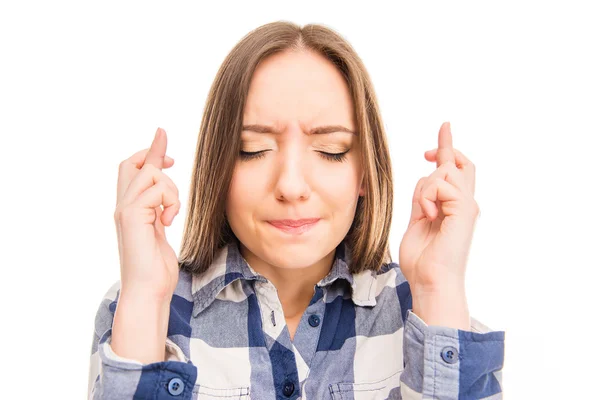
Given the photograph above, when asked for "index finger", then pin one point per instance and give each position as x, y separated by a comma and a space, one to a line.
158, 149
131, 166
139, 158
445, 151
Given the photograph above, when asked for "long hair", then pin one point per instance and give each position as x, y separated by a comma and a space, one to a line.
206, 229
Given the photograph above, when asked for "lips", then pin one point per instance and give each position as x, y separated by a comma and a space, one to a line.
294, 227
293, 223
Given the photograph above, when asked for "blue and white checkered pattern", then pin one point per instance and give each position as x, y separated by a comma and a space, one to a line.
358, 339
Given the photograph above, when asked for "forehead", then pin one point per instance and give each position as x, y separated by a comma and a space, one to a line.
301, 87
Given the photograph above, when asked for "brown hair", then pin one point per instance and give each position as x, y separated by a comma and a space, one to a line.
206, 228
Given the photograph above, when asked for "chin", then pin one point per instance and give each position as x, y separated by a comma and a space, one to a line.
293, 256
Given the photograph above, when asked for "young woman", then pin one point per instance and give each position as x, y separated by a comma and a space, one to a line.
284, 287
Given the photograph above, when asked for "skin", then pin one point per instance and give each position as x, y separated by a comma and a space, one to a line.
434, 250
294, 92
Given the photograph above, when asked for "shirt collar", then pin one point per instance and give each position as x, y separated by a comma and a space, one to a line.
229, 265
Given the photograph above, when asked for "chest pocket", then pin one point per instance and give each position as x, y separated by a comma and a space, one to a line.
205, 393
387, 388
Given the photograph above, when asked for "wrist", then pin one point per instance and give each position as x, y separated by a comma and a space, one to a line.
146, 292
140, 327
446, 307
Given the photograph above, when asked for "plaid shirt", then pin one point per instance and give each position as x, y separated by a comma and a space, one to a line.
358, 339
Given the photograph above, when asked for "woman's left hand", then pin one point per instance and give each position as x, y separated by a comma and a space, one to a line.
435, 247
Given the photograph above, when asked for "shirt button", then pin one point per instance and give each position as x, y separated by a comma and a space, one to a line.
176, 386
450, 354
288, 388
314, 320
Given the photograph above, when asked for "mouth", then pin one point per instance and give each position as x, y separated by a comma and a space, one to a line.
295, 227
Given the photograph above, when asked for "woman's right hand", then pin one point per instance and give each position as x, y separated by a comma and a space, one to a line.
149, 266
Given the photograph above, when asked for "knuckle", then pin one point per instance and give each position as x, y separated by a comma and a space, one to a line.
147, 167
476, 209
421, 184
177, 206
451, 166
126, 214
119, 214
445, 167
172, 185
122, 167
164, 186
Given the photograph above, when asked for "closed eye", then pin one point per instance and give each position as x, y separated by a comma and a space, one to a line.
339, 157
247, 155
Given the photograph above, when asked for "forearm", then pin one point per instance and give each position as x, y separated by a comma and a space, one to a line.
140, 328
444, 306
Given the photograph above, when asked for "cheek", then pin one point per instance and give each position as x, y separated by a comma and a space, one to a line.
245, 191
340, 188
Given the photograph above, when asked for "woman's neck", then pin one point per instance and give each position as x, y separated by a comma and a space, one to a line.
295, 286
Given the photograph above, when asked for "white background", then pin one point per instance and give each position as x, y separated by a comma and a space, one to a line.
84, 86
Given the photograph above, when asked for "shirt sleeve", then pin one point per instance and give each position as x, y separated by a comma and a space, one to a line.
448, 363
115, 377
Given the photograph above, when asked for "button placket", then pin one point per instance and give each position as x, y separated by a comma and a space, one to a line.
270, 308
288, 388
314, 320
449, 354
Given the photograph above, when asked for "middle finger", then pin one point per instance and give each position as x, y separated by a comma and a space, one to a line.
462, 163
445, 153
453, 175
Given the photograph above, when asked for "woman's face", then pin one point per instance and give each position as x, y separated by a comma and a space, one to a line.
292, 178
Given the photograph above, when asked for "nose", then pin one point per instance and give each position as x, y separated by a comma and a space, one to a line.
291, 183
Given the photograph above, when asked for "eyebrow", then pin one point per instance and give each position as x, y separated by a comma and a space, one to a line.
319, 130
